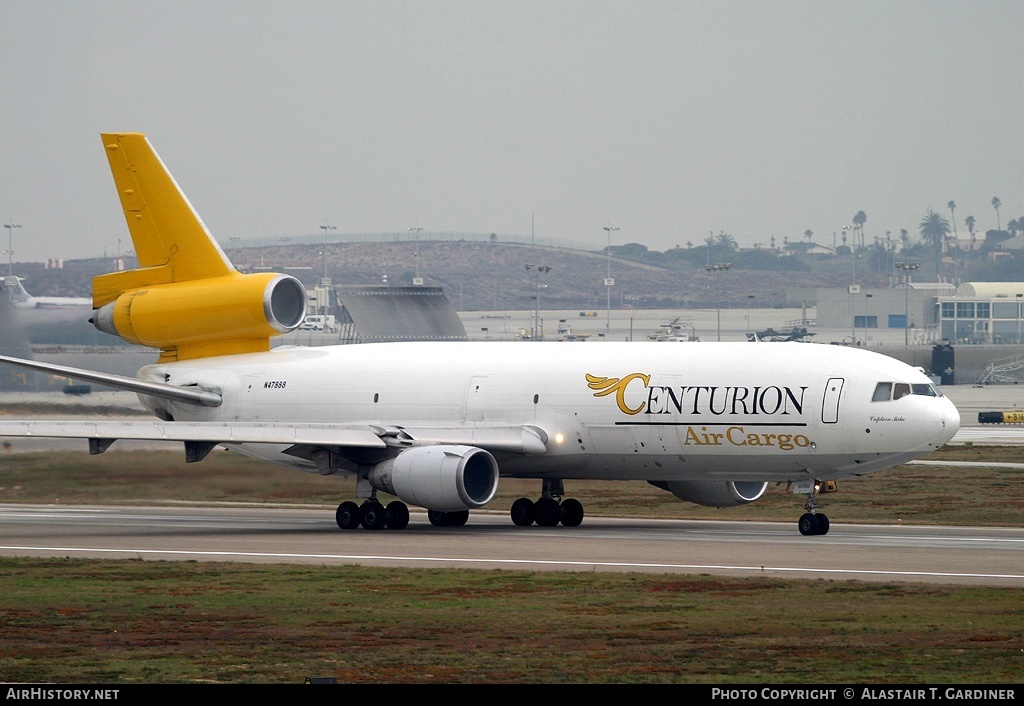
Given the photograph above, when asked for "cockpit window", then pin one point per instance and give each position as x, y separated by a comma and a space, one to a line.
885, 391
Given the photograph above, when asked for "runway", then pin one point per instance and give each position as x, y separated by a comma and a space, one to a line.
948, 555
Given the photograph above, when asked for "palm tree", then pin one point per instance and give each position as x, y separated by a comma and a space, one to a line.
934, 229
858, 220
726, 241
952, 218
996, 203
808, 234
969, 222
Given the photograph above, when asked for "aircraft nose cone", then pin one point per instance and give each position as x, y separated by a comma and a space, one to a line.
953, 417
950, 421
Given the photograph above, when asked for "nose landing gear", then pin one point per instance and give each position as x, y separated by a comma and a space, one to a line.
812, 522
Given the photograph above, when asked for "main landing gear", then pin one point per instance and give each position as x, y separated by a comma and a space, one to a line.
549, 510
372, 515
812, 522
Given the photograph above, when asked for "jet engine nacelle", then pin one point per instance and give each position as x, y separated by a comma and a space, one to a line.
445, 478
206, 316
714, 493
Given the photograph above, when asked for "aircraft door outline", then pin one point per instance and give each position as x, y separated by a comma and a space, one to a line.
475, 398
830, 400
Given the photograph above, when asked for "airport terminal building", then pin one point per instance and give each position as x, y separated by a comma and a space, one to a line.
983, 313
975, 313
908, 307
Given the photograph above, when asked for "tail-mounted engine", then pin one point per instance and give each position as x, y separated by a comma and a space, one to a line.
714, 493
199, 318
445, 478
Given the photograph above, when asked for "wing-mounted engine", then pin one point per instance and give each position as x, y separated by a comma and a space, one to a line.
219, 316
714, 493
445, 478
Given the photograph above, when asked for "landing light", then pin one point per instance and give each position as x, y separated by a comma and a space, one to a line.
559, 438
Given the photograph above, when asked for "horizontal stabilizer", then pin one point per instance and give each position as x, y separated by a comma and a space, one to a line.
193, 395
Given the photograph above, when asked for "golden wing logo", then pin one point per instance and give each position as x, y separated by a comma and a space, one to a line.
606, 386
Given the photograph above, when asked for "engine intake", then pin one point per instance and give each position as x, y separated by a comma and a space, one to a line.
445, 478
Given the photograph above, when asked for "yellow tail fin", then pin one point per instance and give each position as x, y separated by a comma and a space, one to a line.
171, 242
185, 298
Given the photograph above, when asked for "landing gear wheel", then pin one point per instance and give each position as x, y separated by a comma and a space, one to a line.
523, 512
396, 515
572, 512
458, 518
808, 524
348, 515
549, 513
374, 516
822, 523
437, 518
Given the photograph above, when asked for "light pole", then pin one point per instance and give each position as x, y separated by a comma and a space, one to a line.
865, 320
325, 228
10, 247
854, 290
608, 281
907, 268
416, 230
535, 332
718, 270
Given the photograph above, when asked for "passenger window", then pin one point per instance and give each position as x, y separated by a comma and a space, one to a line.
883, 391
901, 389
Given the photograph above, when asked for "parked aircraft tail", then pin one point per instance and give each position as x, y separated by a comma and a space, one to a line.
15, 290
185, 298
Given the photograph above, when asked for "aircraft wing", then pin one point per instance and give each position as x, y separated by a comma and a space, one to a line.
200, 437
521, 439
217, 432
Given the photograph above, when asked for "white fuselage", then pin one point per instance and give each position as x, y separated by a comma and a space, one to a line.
616, 411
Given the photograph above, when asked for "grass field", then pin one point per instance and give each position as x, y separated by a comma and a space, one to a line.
78, 621
71, 621
913, 494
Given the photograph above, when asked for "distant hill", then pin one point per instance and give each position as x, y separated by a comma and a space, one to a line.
479, 276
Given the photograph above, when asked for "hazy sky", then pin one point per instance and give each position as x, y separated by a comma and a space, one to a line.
669, 120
